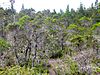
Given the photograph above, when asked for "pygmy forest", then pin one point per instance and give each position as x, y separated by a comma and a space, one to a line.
50, 43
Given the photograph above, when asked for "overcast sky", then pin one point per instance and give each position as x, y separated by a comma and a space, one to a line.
39, 5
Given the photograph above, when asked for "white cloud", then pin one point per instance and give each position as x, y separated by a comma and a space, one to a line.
47, 4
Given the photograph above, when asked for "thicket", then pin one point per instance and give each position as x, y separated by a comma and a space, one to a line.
34, 38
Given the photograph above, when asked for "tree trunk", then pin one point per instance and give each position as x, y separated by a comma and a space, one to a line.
35, 53
27, 51
15, 51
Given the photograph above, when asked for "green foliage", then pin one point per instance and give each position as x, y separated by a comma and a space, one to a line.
72, 68
98, 70
1, 12
81, 28
66, 67
98, 11
23, 20
95, 60
16, 70
54, 20
4, 44
11, 26
72, 26
85, 18
95, 26
77, 38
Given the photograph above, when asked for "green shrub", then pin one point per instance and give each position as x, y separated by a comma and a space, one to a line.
3, 44
23, 20
17, 70
98, 70
72, 67
11, 26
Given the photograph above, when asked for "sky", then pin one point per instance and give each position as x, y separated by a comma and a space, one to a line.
40, 5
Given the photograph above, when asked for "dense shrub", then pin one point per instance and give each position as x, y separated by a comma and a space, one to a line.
16, 70
57, 54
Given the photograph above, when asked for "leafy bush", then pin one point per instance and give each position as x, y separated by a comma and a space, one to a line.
4, 44
85, 18
72, 26
23, 20
11, 26
17, 70
72, 68
98, 70
95, 26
